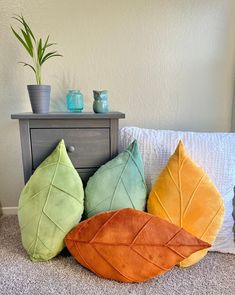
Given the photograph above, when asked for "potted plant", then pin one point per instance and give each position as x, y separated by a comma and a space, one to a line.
38, 51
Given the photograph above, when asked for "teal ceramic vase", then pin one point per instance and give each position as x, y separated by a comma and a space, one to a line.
74, 101
100, 104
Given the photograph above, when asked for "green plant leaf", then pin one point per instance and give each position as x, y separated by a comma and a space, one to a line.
26, 26
49, 55
45, 45
43, 50
28, 65
22, 41
50, 44
28, 41
39, 51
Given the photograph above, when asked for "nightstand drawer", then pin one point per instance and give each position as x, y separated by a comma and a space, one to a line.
86, 147
91, 139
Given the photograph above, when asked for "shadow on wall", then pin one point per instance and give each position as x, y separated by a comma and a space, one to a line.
65, 82
58, 101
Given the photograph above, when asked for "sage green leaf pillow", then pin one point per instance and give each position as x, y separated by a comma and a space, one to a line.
50, 205
117, 184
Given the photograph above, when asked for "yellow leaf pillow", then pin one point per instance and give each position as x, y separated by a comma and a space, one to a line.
184, 195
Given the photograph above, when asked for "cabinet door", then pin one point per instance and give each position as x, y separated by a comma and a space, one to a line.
86, 147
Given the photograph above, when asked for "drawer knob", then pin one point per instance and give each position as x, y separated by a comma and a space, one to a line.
70, 149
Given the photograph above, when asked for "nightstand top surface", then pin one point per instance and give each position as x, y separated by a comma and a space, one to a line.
68, 115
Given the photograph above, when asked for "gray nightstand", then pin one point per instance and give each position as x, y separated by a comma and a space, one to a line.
91, 139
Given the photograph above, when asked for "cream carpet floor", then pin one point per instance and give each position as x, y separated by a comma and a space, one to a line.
63, 275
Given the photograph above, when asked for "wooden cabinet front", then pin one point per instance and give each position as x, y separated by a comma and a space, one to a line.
91, 139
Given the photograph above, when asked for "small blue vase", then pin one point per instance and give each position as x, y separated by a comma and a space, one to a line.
74, 101
100, 104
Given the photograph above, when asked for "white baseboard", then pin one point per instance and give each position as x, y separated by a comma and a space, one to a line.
9, 210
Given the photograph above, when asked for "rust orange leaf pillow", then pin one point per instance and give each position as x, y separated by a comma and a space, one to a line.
184, 195
129, 245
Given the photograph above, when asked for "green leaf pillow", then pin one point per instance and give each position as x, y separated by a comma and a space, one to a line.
50, 205
117, 184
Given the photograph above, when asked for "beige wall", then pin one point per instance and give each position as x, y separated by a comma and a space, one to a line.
165, 63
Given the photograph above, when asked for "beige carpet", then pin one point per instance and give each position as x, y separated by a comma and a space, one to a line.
63, 275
